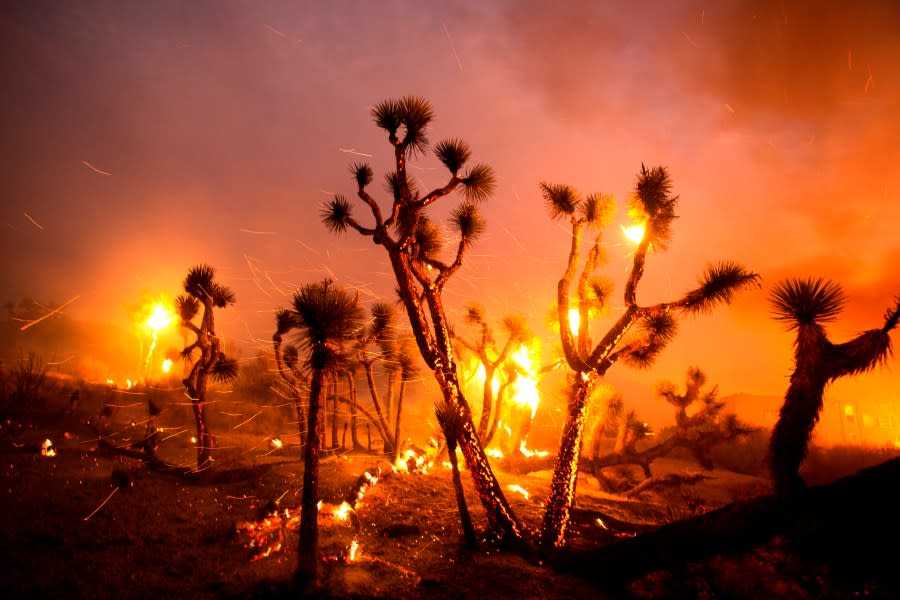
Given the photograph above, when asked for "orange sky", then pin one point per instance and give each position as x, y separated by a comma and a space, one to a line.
142, 138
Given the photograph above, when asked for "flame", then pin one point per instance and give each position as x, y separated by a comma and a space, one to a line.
529, 453
159, 318
342, 512
351, 552
574, 320
412, 462
494, 452
276, 443
519, 490
633, 233
167, 365
525, 391
47, 448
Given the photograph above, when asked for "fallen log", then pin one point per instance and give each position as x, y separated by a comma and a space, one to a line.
838, 523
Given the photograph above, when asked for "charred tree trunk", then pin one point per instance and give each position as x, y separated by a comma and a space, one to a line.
502, 520
309, 511
351, 390
400, 395
487, 402
565, 474
465, 517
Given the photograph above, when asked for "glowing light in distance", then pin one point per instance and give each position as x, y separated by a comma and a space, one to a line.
167, 365
160, 316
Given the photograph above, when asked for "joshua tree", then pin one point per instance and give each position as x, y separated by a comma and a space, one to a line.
485, 348
202, 290
328, 318
412, 243
380, 332
451, 422
698, 432
286, 361
805, 305
652, 206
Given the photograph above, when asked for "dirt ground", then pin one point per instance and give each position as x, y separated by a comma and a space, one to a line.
90, 523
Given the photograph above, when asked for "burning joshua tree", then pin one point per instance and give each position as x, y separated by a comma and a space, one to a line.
202, 290
805, 305
328, 318
653, 209
484, 347
412, 243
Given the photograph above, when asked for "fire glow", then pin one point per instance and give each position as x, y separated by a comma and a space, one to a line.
47, 448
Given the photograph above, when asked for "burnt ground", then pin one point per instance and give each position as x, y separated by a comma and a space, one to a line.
162, 535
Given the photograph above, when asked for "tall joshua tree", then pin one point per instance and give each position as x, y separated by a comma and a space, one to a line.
327, 318
203, 291
653, 206
413, 246
805, 305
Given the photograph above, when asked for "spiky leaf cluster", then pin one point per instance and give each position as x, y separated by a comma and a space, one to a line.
427, 239
656, 331
326, 312
413, 114
597, 210
467, 220
718, 285
336, 214
479, 183
187, 307
561, 199
797, 302
653, 200
475, 314
225, 369
200, 283
362, 172
453, 153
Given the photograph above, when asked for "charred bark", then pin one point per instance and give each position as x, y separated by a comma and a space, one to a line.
565, 474
309, 511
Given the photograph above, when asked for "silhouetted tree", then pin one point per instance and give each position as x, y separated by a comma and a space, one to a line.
412, 242
328, 318
805, 305
698, 432
203, 291
653, 206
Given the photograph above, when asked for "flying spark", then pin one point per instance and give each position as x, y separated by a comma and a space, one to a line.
354, 151
33, 222
95, 169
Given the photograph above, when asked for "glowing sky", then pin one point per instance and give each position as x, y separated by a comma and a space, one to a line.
140, 138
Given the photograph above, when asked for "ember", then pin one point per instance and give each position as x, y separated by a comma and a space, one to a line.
519, 490
47, 448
